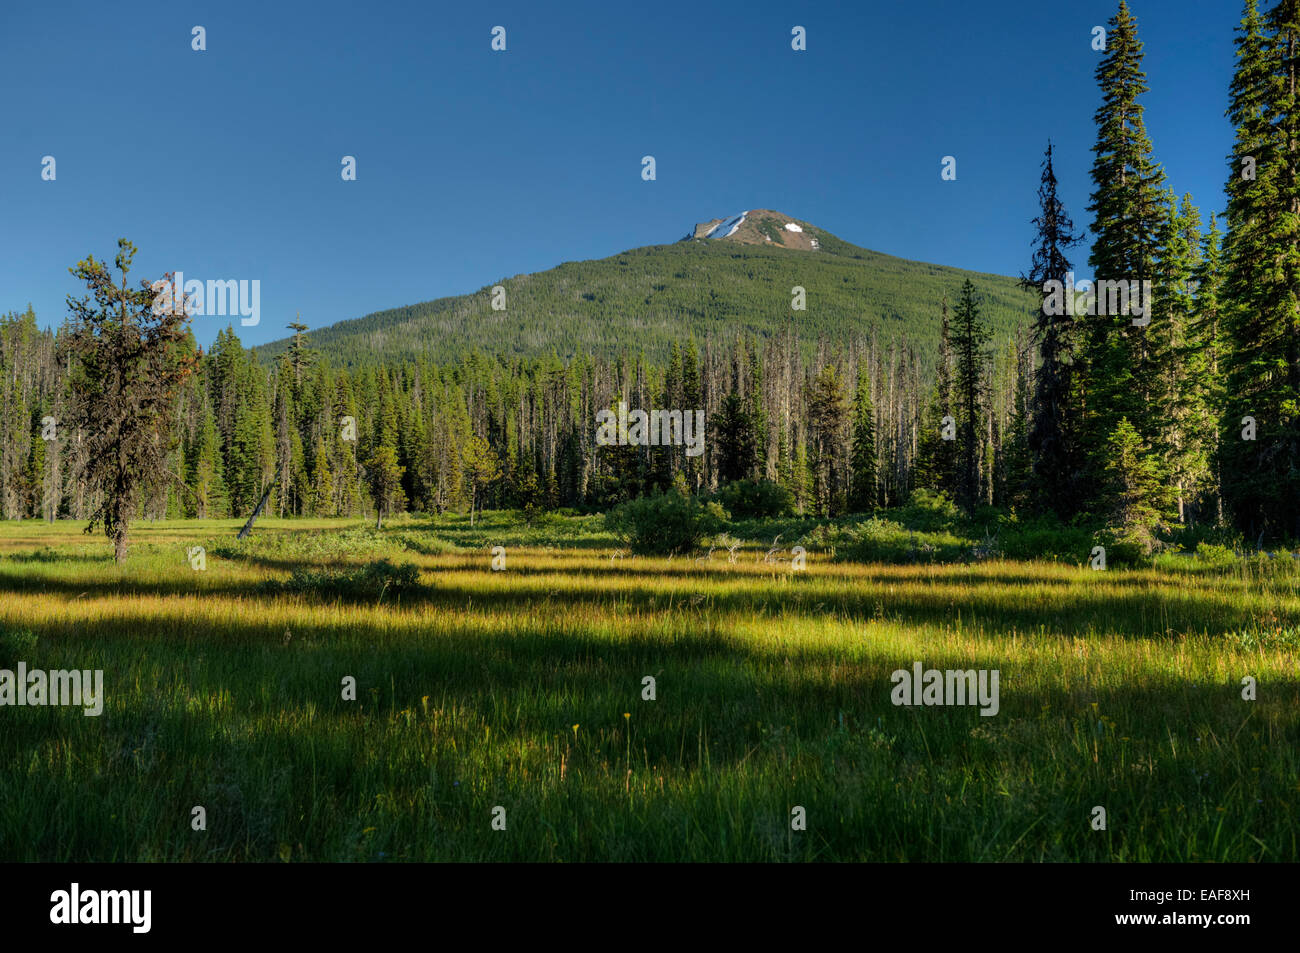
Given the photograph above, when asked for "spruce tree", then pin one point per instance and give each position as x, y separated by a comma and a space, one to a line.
735, 440
128, 364
1207, 347
936, 457
969, 335
863, 494
1052, 436
208, 499
828, 415
1179, 353
1019, 480
1261, 476
1135, 495
1129, 214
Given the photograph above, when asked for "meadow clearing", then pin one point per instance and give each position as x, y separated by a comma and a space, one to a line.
523, 689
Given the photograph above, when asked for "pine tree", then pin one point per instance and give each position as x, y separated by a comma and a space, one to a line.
969, 337
936, 457
827, 420
864, 494
1206, 349
1135, 493
383, 470
1019, 480
35, 478
801, 480
1128, 208
322, 481
692, 399
1179, 353
735, 440
384, 477
482, 468
208, 492
128, 367
1261, 476
1052, 439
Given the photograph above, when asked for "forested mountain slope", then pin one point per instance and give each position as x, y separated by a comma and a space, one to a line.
646, 298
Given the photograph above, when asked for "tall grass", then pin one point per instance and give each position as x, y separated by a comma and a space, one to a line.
523, 688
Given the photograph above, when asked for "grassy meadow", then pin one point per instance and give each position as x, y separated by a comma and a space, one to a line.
522, 688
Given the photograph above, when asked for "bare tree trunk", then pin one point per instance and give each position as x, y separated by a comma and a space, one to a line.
248, 527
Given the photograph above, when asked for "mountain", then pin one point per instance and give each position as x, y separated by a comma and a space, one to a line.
760, 227
727, 276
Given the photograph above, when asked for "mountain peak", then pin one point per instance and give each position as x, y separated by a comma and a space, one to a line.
761, 226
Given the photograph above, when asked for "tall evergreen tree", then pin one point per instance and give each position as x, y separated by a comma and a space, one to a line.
208, 493
969, 337
1207, 347
1261, 476
863, 494
827, 420
1129, 215
735, 438
1179, 353
129, 362
1052, 438
936, 457
1135, 495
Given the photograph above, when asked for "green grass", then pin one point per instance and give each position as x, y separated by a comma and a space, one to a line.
1119, 689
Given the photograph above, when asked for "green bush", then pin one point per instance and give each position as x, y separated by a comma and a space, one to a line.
1124, 552
1212, 554
928, 511
756, 499
880, 540
666, 523
316, 545
371, 581
1191, 537
1046, 538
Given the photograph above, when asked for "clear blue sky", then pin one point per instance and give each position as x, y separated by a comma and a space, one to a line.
474, 165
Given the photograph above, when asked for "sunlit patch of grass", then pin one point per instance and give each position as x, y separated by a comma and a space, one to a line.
1119, 688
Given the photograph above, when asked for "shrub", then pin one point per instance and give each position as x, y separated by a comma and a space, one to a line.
317, 545
1046, 538
756, 499
1212, 554
371, 581
928, 511
666, 523
1191, 537
880, 540
1126, 551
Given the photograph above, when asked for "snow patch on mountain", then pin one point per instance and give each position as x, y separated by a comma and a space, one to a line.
727, 227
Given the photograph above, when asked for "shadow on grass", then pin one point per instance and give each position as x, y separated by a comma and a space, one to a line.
284, 759
1140, 610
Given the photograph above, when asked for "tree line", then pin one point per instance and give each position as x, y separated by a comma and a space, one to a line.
1188, 415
